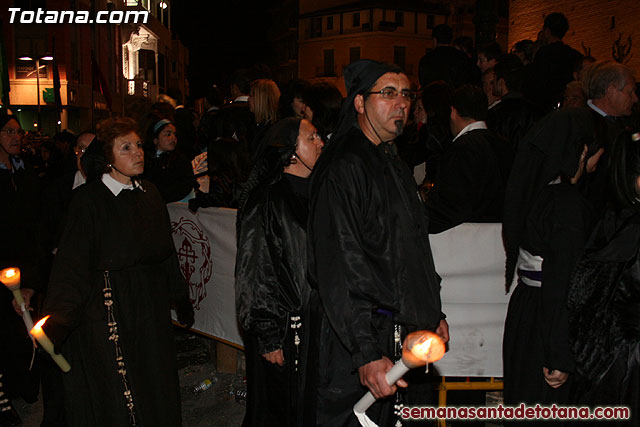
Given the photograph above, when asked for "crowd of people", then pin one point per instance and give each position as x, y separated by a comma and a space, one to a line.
336, 199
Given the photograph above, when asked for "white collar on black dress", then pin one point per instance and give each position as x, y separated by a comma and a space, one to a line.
116, 186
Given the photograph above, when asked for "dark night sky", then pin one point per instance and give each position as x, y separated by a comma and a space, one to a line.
222, 35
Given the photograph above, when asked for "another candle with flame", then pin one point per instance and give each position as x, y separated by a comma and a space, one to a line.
420, 348
11, 279
46, 343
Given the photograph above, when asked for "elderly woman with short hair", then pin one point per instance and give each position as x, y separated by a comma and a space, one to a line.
114, 281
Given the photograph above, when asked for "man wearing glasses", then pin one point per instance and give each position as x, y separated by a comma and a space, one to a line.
370, 258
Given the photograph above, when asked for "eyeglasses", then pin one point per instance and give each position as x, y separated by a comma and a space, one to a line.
79, 150
389, 93
13, 132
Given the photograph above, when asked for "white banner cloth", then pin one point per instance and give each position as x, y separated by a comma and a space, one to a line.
206, 246
469, 258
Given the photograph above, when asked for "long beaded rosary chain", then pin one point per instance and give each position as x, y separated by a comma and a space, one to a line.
113, 336
295, 325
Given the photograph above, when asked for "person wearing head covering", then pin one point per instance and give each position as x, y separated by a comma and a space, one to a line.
272, 292
604, 294
370, 257
167, 168
114, 281
548, 220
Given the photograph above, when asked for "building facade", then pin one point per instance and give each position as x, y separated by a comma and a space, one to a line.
605, 29
334, 33
102, 67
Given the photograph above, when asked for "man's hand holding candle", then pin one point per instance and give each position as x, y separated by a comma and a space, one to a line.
372, 376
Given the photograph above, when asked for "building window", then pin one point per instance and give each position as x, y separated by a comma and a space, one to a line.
356, 19
329, 23
430, 21
354, 54
316, 27
399, 56
400, 19
328, 63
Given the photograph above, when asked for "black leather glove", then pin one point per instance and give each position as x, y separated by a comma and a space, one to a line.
184, 310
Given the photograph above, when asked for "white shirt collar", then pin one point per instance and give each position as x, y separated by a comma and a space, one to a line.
494, 103
242, 98
596, 109
471, 126
116, 186
78, 180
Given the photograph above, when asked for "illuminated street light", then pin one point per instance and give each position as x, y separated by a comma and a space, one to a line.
46, 57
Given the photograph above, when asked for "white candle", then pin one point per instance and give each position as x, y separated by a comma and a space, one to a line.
46, 343
420, 348
11, 279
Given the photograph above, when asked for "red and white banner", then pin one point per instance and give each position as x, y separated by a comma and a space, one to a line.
469, 258
206, 246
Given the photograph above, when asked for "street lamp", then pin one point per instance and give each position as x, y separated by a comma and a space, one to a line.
46, 57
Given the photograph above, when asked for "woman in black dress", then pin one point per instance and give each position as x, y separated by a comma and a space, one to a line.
272, 292
114, 281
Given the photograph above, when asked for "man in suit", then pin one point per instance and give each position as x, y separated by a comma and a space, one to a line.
471, 178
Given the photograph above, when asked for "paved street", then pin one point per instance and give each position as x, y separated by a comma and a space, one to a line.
216, 406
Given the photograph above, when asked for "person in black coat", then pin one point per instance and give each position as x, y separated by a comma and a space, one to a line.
472, 173
553, 65
513, 115
604, 294
547, 221
370, 258
447, 63
23, 247
272, 292
167, 168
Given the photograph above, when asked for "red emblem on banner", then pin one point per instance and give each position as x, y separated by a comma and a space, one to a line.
194, 256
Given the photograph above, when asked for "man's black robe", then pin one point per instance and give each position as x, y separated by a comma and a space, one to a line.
512, 118
470, 183
128, 235
371, 261
536, 329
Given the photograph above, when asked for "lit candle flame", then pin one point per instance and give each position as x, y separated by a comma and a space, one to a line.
46, 344
41, 322
421, 350
10, 277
